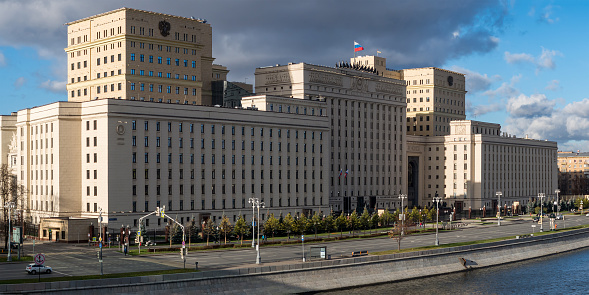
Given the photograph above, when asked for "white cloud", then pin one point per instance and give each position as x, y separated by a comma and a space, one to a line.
574, 145
54, 86
480, 110
20, 81
2, 59
544, 61
547, 15
568, 125
535, 105
553, 85
513, 58
506, 90
532, 11
494, 39
578, 108
476, 81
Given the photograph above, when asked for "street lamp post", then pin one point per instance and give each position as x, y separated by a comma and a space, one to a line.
557, 191
541, 196
499, 194
437, 200
100, 222
257, 204
402, 197
251, 201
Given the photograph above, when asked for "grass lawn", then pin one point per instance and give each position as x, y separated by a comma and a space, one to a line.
15, 258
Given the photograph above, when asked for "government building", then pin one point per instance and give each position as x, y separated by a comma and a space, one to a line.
150, 122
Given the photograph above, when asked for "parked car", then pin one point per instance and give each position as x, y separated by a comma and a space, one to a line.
536, 218
587, 214
559, 217
33, 269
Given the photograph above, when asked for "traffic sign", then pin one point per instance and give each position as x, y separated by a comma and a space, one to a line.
183, 243
162, 212
139, 233
39, 259
100, 245
302, 238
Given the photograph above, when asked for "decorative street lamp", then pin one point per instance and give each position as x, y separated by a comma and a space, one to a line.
251, 201
557, 191
499, 194
437, 200
257, 204
541, 196
402, 197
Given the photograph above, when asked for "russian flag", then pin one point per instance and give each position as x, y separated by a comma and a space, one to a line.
357, 47
346, 173
340, 172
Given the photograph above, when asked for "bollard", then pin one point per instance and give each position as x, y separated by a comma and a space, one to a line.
196, 265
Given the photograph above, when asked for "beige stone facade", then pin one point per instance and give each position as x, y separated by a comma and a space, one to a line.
435, 96
313, 139
367, 120
7, 130
129, 157
140, 55
472, 163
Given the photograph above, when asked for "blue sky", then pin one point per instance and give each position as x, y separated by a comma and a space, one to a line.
523, 59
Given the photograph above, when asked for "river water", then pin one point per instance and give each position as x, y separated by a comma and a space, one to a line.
566, 273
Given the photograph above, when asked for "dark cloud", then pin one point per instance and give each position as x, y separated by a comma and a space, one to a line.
250, 34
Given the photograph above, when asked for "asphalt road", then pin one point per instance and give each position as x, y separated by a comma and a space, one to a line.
75, 260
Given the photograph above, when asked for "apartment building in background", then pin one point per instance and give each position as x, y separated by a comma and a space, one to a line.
573, 173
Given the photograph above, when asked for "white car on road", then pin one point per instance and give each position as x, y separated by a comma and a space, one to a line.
33, 269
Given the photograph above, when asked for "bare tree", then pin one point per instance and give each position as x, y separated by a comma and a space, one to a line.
10, 192
397, 233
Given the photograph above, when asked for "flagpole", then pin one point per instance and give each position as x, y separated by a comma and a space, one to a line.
354, 50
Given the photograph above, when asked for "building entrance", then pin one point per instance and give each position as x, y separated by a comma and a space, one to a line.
412, 182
